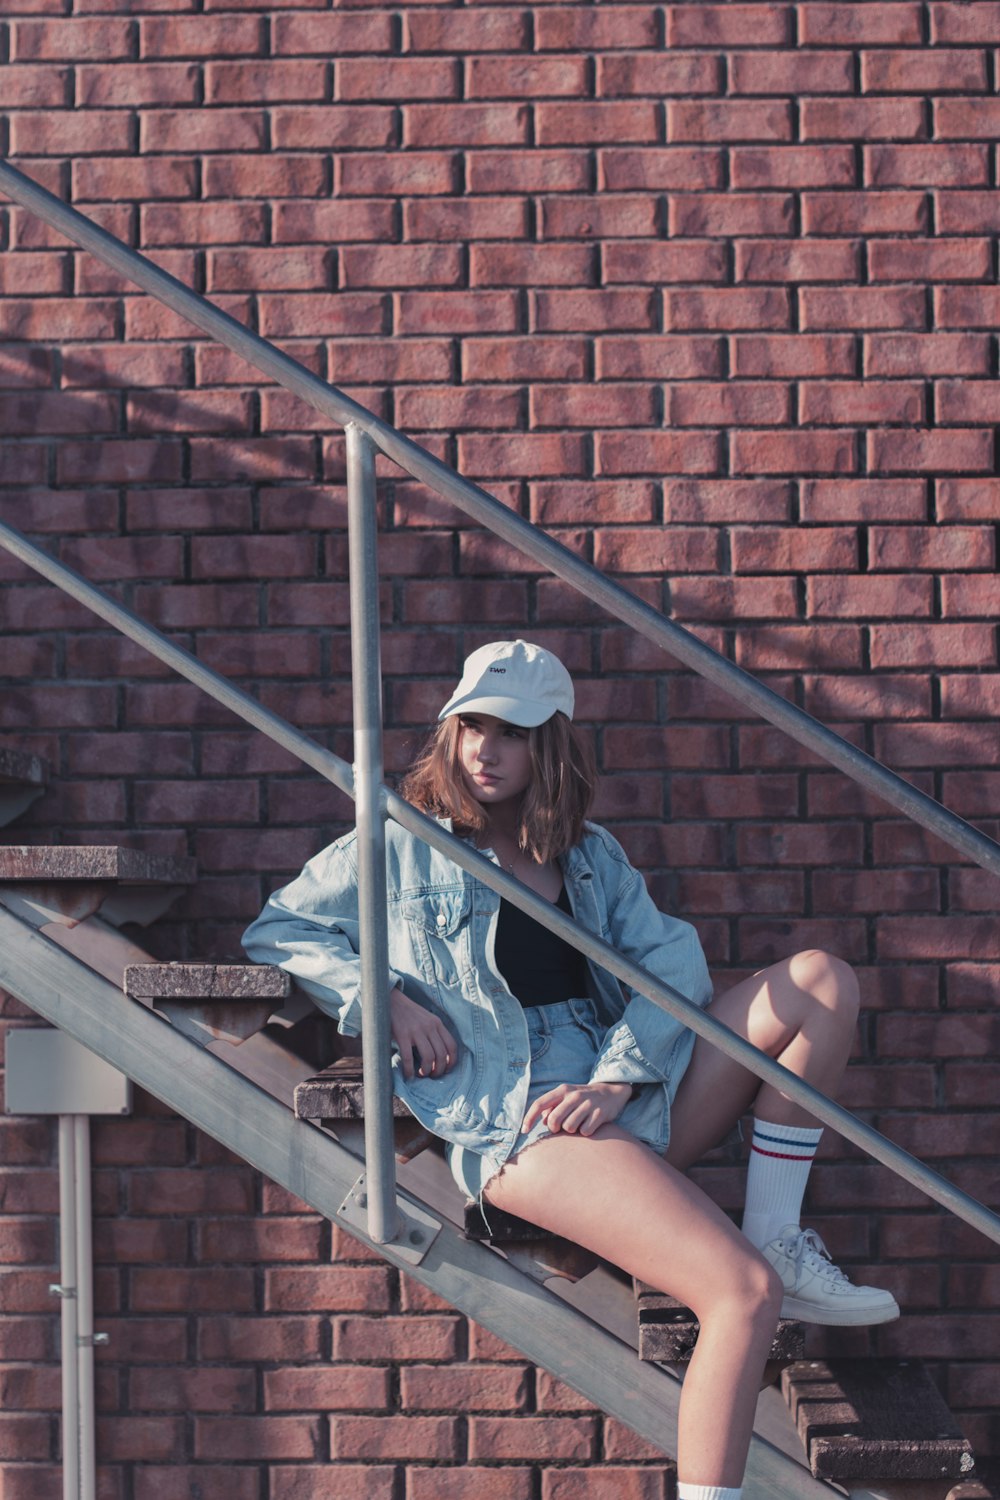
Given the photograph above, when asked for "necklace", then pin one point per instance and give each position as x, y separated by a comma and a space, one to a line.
508, 865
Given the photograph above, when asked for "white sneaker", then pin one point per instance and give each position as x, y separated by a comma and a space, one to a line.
817, 1291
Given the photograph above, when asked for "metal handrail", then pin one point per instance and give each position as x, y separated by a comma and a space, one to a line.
484, 508
365, 433
336, 770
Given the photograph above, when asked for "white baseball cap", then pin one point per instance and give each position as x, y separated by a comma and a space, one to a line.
514, 681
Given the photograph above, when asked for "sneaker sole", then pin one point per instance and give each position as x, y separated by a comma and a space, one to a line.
838, 1317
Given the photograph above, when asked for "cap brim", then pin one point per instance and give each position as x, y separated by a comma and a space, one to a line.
526, 713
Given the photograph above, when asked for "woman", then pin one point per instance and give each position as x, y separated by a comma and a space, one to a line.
561, 1100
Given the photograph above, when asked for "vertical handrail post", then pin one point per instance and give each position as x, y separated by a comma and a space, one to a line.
366, 669
67, 1291
85, 1308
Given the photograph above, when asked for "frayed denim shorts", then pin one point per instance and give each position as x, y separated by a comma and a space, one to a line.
565, 1039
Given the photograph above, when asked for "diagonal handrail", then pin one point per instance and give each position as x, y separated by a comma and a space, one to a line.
336, 770
684, 646
364, 428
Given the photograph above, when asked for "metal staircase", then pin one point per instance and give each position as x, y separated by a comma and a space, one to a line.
243, 1098
76, 970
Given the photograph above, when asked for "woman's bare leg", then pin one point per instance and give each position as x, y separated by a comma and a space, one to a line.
803, 1012
615, 1196
640, 1213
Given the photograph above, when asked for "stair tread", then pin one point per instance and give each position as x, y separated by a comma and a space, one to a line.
500, 1228
337, 1093
874, 1419
46, 862
206, 981
18, 766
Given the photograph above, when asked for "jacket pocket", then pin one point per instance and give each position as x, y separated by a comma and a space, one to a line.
437, 924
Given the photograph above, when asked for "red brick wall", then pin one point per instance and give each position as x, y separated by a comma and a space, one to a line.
710, 292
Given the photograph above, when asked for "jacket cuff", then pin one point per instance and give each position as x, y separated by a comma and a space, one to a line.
349, 1018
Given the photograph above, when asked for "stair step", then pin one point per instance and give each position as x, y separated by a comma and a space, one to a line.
59, 885
338, 1094
37, 862
22, 782
668, 1331
498, 1227
211, 1002
180, 981
535, 1250
874, 1419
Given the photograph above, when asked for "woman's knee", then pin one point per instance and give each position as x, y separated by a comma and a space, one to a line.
761, 1289
828, 979
769, 1288
748, 1289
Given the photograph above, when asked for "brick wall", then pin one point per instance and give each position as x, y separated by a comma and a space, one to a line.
709, 291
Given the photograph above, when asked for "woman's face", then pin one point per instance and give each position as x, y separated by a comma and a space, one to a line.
495, 758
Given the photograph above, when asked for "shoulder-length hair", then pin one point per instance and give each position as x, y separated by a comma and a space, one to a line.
555, 804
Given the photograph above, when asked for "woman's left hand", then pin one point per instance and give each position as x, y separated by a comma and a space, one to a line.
579, 1108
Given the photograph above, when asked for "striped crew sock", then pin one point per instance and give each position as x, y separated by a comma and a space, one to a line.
706, 1492
780, 1158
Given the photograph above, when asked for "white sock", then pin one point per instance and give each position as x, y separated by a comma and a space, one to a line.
780, 1159
706, 1492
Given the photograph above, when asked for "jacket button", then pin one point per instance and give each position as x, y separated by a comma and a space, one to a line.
442, 920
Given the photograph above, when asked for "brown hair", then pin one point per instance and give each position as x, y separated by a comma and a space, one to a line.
554, 807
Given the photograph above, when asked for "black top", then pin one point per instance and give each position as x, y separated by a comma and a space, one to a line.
540, 968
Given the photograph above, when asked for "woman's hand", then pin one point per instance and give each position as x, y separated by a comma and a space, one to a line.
418, 1031
579, 1108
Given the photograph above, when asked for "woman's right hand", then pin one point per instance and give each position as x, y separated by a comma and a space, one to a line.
416, 1030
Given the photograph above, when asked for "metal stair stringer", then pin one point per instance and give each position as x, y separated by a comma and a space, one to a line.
251, 1122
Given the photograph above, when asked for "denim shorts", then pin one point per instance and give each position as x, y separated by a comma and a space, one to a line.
565, 1039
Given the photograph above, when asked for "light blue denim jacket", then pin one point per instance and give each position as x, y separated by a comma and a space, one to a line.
442, 924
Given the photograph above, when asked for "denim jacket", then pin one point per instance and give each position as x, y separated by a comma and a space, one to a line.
442, 924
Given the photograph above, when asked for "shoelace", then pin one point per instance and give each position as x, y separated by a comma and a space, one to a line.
808, 1250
